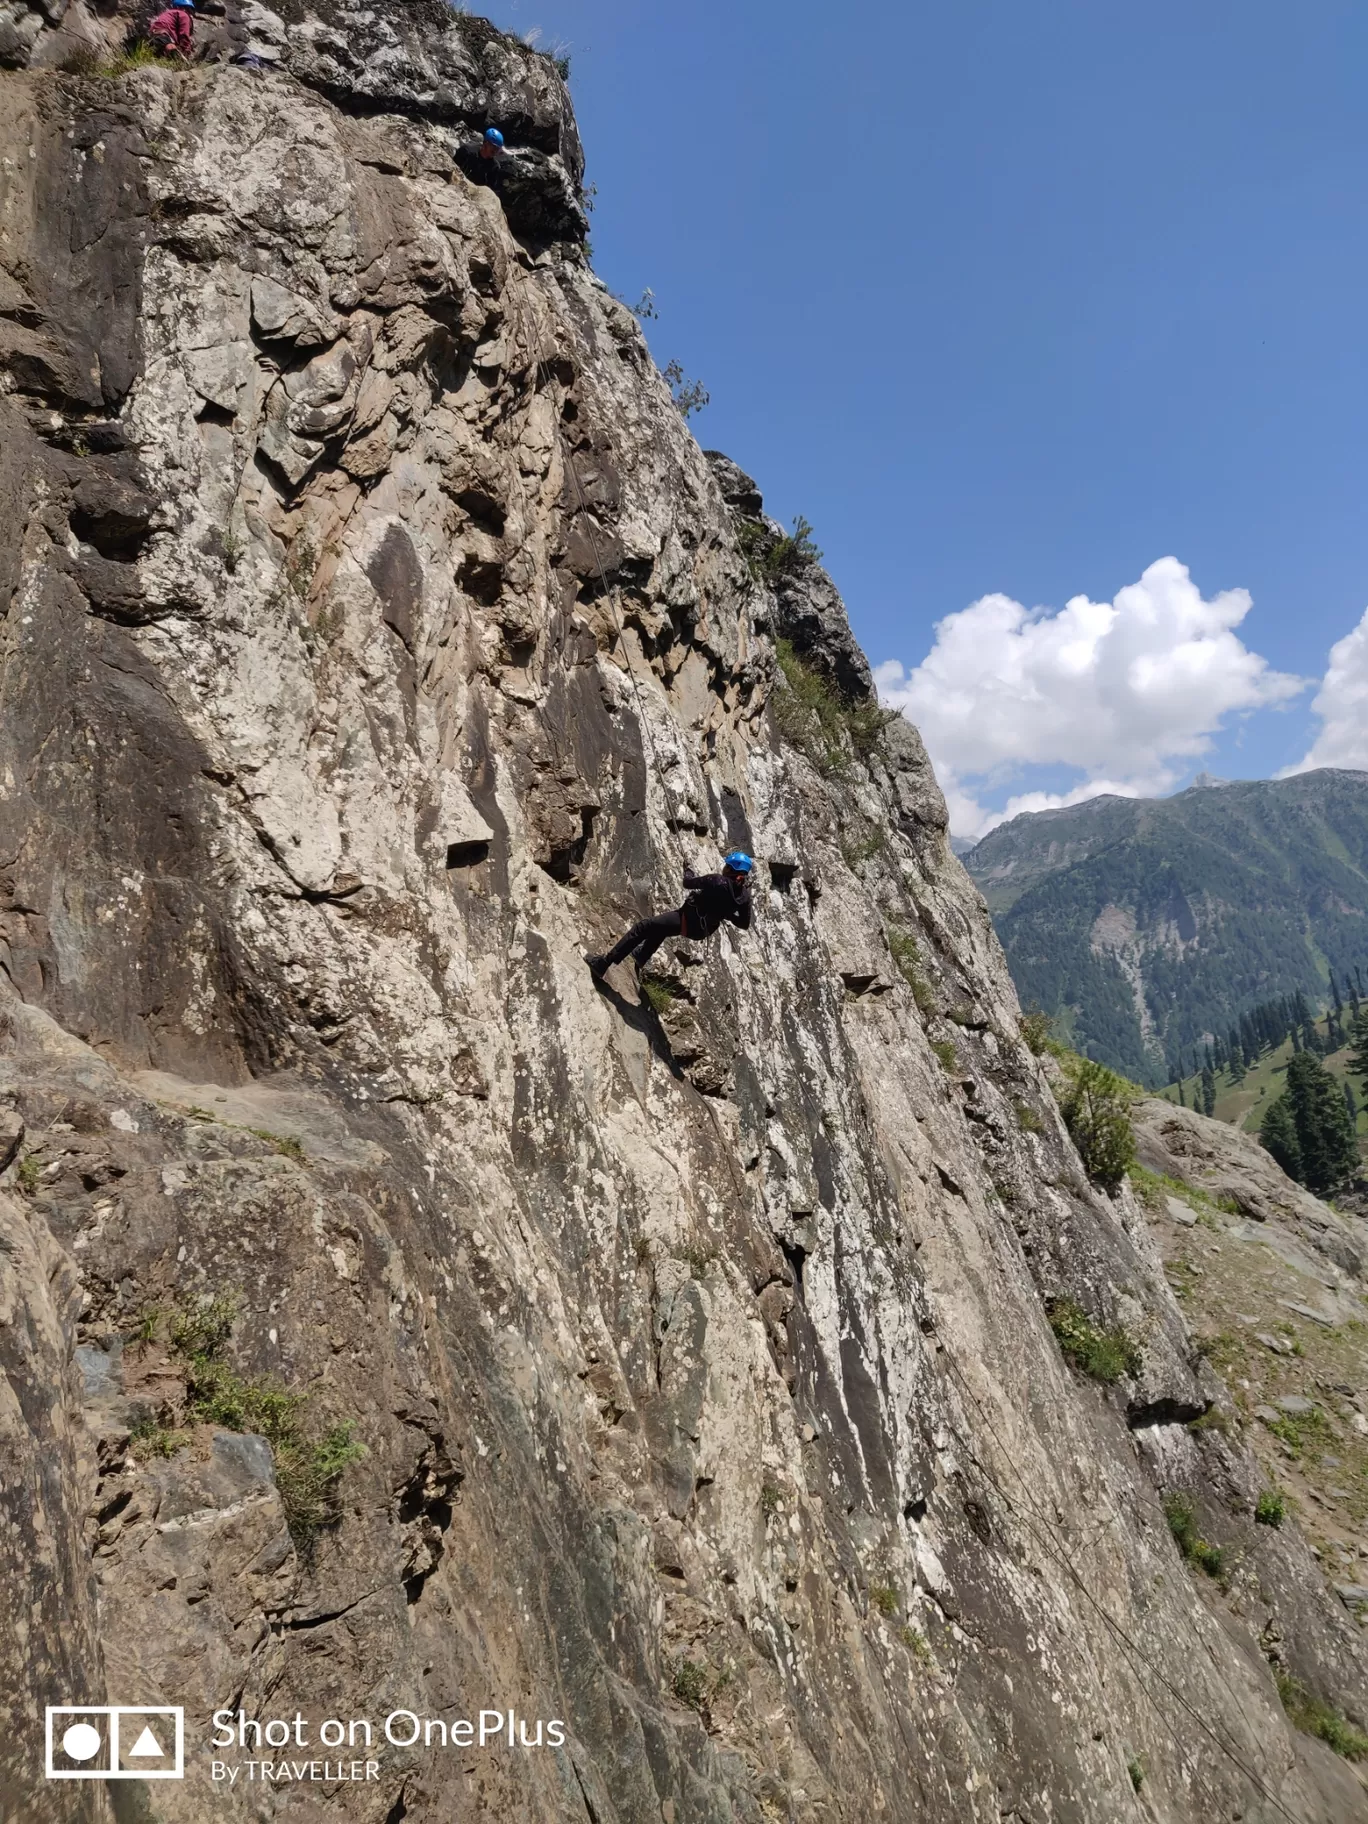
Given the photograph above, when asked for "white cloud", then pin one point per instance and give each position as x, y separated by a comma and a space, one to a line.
1342, 705
1125, 691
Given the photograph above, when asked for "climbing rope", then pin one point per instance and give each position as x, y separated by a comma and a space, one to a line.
1040, 1527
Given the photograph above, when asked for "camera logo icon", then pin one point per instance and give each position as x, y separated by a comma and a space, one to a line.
115, 1742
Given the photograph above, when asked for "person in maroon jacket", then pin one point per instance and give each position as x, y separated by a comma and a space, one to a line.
173, 32
714, 899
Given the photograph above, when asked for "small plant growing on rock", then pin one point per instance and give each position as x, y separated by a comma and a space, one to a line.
1271, 1508
231, 548
149, 1439
811, 716
1135, 1767
903, 948
917, 1644
307, 1469
1027, 1119
205, 1331
144, 1332
807, 713
856, 851
658, 995
1037, 1029
301, 564
1182, 1523
689, 1682
699, 1257
138, 56
690, 396
771, 556
287, 1145
770, 1498
1313, 1716
1298, 1430
884, 1598
28, 1172
945, 1051
1096, 1111
1104, 1355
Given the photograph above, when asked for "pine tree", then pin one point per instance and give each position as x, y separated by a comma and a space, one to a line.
1279, 1136
1351, 1103
1208, 1091
1335, 1000
1325, 1139
1358, 1057
1182, 1099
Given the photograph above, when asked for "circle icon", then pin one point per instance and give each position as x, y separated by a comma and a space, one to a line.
81, 1742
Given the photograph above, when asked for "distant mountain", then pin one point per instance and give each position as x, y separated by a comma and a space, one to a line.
1148, 924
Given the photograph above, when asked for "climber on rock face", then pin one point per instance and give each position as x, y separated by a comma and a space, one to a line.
173, 31
492, 145
714, 899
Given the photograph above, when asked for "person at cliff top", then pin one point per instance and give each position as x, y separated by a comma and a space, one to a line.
714, 899
173, 31
492, 145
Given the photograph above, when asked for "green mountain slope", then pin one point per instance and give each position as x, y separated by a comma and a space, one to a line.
1146, 925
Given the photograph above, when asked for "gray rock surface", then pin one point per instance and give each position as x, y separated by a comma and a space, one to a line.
700, 1357
1228, 1163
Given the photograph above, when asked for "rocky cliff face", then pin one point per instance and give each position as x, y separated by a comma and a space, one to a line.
375, 640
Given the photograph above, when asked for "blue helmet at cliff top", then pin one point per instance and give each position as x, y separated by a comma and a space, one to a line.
739, 862
493, 137
189, 5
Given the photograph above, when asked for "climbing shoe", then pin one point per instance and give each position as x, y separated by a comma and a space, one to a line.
598, 966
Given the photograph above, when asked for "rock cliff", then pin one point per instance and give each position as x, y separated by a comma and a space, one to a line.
391, 1321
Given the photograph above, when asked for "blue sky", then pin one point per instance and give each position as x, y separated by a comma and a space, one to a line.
1017, 301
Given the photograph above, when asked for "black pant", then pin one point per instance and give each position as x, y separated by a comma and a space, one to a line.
647, 937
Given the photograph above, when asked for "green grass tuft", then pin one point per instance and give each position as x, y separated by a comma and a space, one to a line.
1182, 1523
658, 995
204, 1332
1271, 1508
689, 1682
308, 1469
917, 1643
885, 1599
149, 1439
810, 716
1313, 1716
1105, 1355
137, 57
285, 1144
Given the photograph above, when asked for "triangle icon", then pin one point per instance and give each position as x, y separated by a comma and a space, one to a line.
147, 1745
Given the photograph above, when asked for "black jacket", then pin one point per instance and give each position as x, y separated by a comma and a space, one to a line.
714, 900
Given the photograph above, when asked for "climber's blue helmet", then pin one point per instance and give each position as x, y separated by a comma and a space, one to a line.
493, 137
188, 5
739, 862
